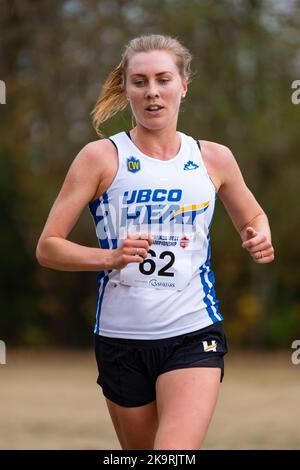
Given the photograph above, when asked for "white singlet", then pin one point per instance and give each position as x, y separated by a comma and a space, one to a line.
172, 291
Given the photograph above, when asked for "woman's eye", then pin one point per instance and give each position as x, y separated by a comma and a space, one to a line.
139, 83
164, 80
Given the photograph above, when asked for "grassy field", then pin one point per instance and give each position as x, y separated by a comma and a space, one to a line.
50, 400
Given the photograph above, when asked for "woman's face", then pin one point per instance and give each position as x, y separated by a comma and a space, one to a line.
154, 88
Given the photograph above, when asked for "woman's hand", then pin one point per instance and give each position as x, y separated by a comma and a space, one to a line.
134, 249
259, 247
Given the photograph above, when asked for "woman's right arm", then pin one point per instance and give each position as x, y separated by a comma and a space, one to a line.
80, 185
79, 188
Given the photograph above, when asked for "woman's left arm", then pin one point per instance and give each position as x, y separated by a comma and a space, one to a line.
247, 215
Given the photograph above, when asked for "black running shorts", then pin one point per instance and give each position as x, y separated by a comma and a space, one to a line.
128, 368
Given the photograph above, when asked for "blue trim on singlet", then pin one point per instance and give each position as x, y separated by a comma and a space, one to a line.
97, 212
113, 241
206, 267
100, 296
98, 206
210, 290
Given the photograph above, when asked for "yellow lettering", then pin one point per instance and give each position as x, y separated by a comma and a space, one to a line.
133, 165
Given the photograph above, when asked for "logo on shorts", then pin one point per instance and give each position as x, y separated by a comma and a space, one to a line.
210, 347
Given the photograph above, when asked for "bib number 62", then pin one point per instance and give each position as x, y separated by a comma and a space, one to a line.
148, 266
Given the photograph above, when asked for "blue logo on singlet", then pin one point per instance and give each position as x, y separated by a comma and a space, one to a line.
190, 165
133, 164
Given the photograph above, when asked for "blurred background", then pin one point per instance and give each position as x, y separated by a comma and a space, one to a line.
54, 56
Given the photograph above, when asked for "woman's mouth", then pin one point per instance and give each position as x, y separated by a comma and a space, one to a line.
154, 109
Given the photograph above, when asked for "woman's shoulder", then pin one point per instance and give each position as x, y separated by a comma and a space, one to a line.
214, 149
215, 154
97, 147
218, 160
98, 152
97, 158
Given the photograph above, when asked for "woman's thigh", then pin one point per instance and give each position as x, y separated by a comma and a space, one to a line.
135, 426
186, 399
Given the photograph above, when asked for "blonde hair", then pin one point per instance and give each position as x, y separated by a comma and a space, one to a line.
112, 97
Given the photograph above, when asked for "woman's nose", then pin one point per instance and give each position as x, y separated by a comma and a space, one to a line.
152, 92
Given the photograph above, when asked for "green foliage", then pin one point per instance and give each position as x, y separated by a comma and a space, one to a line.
283, 326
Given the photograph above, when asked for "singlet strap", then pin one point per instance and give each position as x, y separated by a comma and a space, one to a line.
204, 166
113, 142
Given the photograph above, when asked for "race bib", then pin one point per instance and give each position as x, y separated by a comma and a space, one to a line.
168, 264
